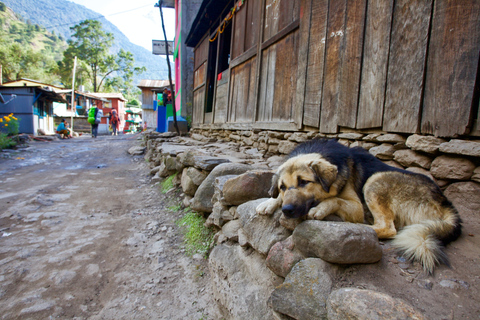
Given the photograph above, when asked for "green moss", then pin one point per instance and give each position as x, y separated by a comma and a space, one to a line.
167, 184
198, 238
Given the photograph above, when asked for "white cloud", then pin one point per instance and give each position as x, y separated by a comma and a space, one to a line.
139, 20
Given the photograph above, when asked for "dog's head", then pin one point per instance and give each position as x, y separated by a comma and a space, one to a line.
303, 182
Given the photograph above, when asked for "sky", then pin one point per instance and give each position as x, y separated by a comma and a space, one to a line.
138, 20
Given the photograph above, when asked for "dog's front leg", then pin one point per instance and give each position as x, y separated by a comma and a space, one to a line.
269, 206
348, 210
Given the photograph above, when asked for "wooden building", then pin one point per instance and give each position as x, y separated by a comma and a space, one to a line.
400, 66
150, 91
31, 102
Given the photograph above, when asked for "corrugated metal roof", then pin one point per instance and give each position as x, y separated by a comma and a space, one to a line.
109, 95
155, 83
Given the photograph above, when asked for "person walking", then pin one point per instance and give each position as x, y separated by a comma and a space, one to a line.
114, 122
94, 118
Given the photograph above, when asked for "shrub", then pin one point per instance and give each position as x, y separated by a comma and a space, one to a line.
9, 124
6, 142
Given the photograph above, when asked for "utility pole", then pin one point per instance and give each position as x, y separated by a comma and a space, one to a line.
73, 94
159, 5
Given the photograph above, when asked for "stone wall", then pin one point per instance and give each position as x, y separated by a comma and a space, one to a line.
267, 267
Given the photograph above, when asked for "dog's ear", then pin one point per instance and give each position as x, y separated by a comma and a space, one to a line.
325, 173
273, 192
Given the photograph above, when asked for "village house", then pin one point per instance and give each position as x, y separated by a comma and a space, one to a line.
151, 101
115, 101
31, 102
336, 66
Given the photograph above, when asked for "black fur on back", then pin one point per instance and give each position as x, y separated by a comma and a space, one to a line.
364, 163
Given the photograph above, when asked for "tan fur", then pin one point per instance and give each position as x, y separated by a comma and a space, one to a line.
395, 200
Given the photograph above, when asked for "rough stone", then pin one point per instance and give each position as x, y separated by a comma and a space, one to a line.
262, 231
137, 150
282, 257
353, 303
188, 186
410, 158
351, 136
285, 147
241, 283
249, 186
196, 175
230, 229
476, 174
465, 196
337, 242
421, 171
298, 137
449, 167
428, 144
363, 144
202, 201
462, 147
305, 291
383, 152
390, 138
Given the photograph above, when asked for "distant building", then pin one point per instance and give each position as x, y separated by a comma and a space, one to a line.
115, 101
150, 100
31, 102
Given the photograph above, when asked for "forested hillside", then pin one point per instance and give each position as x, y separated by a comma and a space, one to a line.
26, 49
59, 15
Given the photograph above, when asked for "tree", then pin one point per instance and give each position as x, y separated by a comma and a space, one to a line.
91, 44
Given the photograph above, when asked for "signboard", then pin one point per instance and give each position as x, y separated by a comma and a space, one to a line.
158, 47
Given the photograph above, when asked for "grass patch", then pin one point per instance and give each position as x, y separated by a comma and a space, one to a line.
6, 142
198, 238
175, 208
167, 184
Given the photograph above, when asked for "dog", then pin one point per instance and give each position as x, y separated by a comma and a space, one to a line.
323, 177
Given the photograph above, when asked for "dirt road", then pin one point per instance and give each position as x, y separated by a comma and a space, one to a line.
85, 235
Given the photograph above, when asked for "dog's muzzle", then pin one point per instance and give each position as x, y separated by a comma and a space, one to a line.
293, 211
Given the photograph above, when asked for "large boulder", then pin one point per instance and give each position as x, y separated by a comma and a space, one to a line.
283, 256
353, 303
251, 185
242, 283
449, 167
337, 242
305, 291
202, 201
261, 231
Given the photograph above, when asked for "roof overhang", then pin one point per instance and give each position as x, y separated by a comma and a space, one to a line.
208, 16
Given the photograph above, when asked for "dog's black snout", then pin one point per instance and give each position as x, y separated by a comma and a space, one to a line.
288, 210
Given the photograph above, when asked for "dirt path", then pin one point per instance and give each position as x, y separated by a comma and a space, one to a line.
85, 235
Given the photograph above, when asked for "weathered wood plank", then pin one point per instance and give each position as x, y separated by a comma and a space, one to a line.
238, 39
270, 26
199, 76
221, 101
375, 63
333, 68
351, 63
408, 49
198, 105
252, 24
316, 63
201, 52
452, 66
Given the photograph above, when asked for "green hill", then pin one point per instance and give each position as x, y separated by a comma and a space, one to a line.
57, 16
14, 29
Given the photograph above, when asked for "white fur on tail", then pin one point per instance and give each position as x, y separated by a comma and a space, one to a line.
421, 242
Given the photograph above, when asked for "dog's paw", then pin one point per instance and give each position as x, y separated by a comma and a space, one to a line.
267, 207
316, 213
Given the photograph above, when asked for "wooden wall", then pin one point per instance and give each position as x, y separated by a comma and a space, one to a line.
406, 66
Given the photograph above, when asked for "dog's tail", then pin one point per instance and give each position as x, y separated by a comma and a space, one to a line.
425, 241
